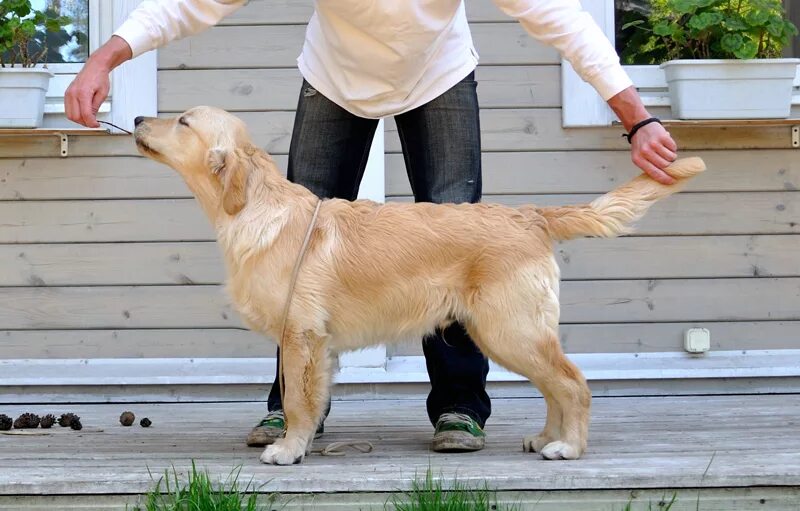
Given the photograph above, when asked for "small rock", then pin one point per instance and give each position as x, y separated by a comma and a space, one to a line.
145, 423
127, 418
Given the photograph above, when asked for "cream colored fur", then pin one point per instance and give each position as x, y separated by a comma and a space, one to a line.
376, 273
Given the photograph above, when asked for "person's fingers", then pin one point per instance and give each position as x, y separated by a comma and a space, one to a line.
88, 117
86, 94
648, 149
99, 96
669, 143
652, 153
71, 105
656, 159
655, 136
653, 171
665, 152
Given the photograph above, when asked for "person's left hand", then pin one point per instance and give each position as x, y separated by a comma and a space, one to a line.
652, 150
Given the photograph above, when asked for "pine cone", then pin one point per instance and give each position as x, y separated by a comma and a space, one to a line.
47, 421
76, 424
145, 423
5, 422
27, 421
66, 419
127, 418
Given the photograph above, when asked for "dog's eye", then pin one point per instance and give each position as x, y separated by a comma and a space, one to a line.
182, 120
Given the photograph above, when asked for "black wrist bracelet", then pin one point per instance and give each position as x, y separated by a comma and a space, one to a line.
639, 126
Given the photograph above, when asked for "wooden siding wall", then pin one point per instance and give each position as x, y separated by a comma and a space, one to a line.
105, 254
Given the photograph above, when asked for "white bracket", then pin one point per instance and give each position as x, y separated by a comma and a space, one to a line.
796, 137
64, 144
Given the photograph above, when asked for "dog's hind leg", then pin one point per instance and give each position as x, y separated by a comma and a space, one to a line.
537, 355
565, 386
306, 373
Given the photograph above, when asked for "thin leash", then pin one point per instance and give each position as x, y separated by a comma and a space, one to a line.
334, 448
288, 304
115, 126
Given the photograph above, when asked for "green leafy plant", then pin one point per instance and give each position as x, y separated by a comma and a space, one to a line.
23, 32
200, 493
707, 29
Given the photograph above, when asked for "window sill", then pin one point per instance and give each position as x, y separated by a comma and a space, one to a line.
780, 127
730, 123
62, 134
724, 123
35, 132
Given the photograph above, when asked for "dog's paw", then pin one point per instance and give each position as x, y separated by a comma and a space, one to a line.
283, 453
559, 450
535, 443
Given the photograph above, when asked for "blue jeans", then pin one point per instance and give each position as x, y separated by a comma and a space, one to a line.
442, 150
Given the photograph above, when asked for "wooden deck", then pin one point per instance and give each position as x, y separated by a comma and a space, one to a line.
730, 452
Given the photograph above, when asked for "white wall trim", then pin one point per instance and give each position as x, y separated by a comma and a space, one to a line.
134, 84
373, 183
581, 105
226, 371
372, 358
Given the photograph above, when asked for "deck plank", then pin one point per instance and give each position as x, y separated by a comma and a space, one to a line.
664, 442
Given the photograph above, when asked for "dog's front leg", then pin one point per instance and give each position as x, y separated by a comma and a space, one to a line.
306, 373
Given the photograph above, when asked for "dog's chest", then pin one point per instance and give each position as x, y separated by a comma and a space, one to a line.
258, 299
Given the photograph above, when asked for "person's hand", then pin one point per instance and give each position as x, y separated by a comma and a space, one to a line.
652, 150
652, 147
86, 93
90, 88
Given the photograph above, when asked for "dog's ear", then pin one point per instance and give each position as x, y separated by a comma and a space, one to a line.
229, 165
215, 159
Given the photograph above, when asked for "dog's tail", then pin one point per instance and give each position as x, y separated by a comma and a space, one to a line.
612, 214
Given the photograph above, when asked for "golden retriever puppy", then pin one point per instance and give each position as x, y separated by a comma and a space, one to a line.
375, 273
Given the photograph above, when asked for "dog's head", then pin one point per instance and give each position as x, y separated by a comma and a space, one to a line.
205, 145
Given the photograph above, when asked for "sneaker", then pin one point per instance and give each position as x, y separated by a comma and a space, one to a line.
271, 428
457, 432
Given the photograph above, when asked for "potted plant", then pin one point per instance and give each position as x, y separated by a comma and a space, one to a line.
23, 83
720, 57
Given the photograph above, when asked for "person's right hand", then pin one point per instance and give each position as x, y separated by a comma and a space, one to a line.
86, 93
90, 88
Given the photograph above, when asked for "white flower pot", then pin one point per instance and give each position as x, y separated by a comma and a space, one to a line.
731, 89
22, 96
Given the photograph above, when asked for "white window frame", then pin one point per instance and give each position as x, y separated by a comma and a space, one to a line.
133, 85
583, 107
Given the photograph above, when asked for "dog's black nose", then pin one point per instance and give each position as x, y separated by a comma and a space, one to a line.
138, 120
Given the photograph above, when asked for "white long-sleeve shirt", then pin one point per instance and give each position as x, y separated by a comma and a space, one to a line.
377, 58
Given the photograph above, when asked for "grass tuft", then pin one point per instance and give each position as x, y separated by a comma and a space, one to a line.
200, 493
430, 495
662, 505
